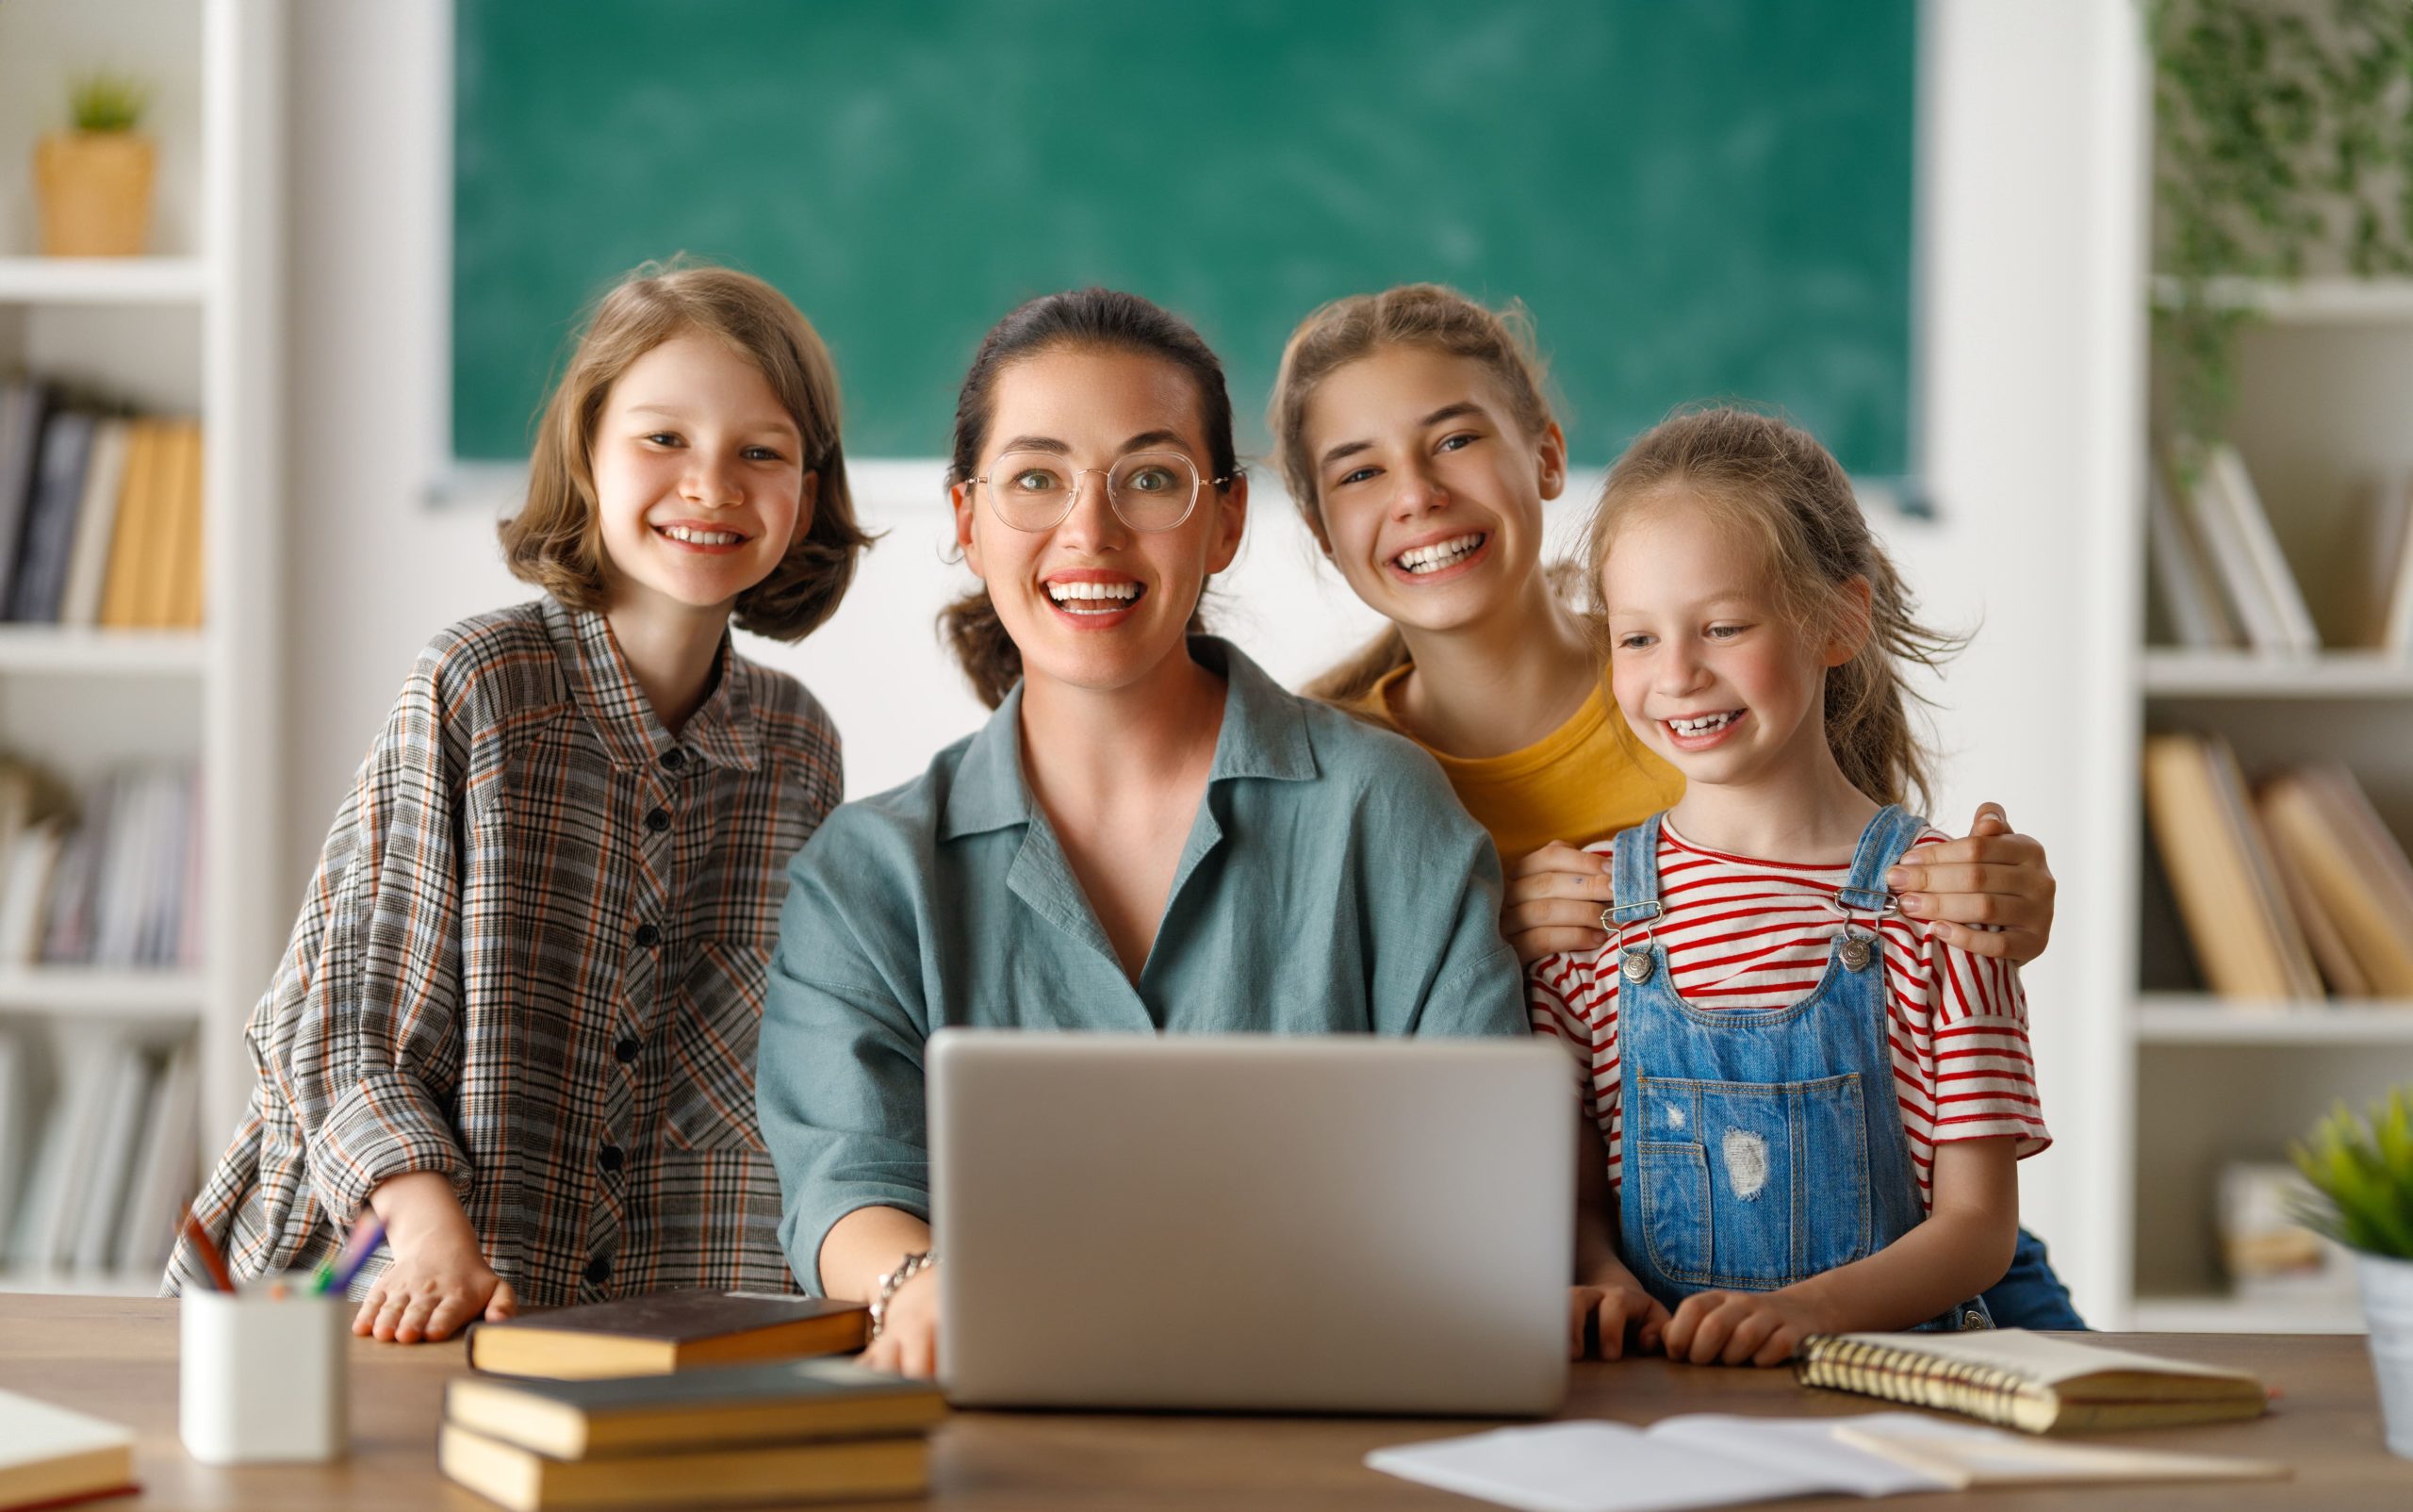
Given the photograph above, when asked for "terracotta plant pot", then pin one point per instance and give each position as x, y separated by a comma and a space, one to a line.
95, 193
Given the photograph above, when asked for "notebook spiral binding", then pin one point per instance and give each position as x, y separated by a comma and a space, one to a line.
1896, 1375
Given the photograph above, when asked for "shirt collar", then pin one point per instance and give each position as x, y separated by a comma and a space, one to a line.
1264, 734
722, 732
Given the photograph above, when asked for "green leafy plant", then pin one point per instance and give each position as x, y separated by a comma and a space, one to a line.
107, 101
2362, 1171
2284, 137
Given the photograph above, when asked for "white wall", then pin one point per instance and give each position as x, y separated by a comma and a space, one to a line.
2030, 118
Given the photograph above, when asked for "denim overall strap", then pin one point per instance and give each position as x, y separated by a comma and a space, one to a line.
1634, 866
1761, 1147
1881, 843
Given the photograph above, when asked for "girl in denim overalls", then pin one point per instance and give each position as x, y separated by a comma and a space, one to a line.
1811, 1104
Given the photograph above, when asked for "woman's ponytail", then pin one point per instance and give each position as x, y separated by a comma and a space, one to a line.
991, 662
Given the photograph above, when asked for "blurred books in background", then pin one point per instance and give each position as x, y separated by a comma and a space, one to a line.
118, 887
2288, 891
2221, 582
100, 513
91, 1175
2269, 1258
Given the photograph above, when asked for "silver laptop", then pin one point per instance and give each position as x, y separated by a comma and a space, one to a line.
1336, 1224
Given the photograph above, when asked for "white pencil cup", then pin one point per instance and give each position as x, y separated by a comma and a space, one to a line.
262, 1376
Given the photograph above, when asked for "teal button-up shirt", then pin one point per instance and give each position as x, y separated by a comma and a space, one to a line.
1331, 884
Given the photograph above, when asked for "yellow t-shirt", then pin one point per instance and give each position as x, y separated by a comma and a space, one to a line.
1583, 782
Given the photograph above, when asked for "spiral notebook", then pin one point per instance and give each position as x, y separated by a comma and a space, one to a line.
2033, 1382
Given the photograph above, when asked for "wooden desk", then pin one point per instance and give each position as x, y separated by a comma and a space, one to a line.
116, 1359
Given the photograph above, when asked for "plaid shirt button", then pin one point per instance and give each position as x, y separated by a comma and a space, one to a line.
627, 1050
599, 1271
658, 820
649, 936
612, 1158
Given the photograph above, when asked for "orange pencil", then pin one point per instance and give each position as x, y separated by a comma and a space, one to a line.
216, 1263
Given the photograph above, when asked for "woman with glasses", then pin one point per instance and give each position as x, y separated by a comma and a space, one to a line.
1149, 834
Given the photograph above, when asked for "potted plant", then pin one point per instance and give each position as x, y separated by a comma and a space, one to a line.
2362, 1170
94, 182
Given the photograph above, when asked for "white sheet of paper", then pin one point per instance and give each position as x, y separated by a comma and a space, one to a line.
1701, 1461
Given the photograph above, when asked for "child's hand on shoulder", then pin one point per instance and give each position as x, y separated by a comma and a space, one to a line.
1743, 1327
439, 1279
1619, 1306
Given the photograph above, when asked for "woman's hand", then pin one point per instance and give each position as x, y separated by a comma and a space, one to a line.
1555, 896
439, 1278
1743, 1327
1619, 1306
908, 1334
1989, 894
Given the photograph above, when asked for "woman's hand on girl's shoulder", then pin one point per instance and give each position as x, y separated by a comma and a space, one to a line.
1615, 1309
908, 1344
1989, 892
1743, 1327
1555, 896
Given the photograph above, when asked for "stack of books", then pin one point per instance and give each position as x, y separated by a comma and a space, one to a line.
100, 513
813, 1430
2286, 890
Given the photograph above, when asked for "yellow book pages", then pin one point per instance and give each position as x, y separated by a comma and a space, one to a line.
183, 606
179, 453
2209, 872
2338, 967
2321, 839
848, 1469
2280, 926
119, 588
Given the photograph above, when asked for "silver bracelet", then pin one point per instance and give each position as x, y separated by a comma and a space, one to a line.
890, 1284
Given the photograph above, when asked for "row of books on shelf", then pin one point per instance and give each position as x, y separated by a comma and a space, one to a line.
2221, 580
2286, 889
118, 887
94, 1168
99, 513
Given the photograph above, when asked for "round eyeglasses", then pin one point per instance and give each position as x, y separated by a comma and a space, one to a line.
1148, 491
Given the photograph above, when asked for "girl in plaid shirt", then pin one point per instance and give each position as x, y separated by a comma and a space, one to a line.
517, 1016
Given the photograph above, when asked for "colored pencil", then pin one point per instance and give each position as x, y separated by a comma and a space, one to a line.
214, 1262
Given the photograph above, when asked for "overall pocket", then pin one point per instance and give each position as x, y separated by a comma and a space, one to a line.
1751, 1186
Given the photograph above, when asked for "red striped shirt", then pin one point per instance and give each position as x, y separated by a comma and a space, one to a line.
1749, 934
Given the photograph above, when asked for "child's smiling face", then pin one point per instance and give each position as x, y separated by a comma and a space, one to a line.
1703, 665
1430, 494
698, 477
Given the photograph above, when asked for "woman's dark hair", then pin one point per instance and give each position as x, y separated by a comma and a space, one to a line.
1095, 320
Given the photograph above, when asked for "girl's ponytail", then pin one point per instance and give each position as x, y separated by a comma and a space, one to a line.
1357, 675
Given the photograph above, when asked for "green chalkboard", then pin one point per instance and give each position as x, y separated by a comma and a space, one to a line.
1696, 198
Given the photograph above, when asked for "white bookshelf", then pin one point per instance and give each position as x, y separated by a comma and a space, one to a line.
193, 328
2311, 302
2170, 673
2320, 380
107, 281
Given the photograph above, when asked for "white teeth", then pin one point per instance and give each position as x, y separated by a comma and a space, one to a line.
1441, 554
1114, 594
696, 537
1705, 724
